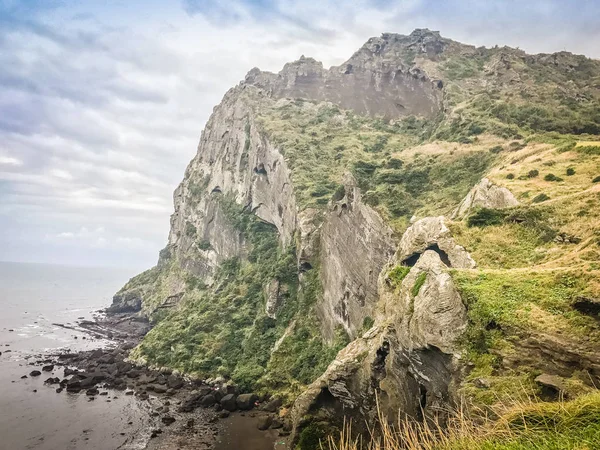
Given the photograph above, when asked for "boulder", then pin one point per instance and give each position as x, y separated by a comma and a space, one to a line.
431, 233
272, 405
48, 368
174, 382
208, 400
229, 403
246, 402
35, 373
485, 195
552, 386
264, 422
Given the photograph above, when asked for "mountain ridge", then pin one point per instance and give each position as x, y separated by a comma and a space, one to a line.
347, 210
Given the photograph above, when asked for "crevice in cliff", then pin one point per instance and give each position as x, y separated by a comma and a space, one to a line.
412, 259
378, 371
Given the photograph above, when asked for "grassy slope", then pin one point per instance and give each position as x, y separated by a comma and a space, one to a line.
224, 330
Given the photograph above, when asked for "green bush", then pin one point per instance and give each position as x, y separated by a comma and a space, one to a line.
496, 149
368, 323
397, 274
540, 198
533, 173
485, 217
190, 229
596, 179
552, 177
204, 244
510, 176
570, 171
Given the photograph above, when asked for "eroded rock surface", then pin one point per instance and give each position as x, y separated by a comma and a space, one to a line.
377, 80
355, 246
431, 233
485, 195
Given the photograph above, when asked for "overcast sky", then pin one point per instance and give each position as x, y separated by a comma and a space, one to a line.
102, 102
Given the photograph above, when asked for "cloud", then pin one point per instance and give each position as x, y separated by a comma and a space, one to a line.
102, 103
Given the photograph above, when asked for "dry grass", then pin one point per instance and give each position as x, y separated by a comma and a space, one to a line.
524, 424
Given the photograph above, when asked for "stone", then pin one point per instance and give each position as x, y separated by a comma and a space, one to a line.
48, 368
35, 373
264, 422
229, 403
485, 195
208, 400
174, 382
552, 386
272, 405
273, 298
167, 420
245, 402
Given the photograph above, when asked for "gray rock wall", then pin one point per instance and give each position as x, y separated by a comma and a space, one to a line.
355, 245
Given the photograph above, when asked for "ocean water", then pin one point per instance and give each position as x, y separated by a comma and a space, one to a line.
34, 299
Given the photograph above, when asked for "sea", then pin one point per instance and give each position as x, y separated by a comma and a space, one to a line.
37, 302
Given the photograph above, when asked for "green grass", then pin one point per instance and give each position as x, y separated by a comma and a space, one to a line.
397, 274
225, 330
419, 282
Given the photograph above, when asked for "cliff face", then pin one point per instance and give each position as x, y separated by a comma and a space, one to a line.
315, 218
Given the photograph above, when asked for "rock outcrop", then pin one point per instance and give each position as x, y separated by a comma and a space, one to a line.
351, 261
431, 233
485, 195
377, 80
409, 361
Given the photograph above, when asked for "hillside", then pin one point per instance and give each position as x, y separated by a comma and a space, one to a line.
418, 225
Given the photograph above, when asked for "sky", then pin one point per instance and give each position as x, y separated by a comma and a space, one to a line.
102, 102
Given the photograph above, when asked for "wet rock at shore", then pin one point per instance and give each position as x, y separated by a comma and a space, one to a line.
48, 368
229, 403
246, 402
264, 422
35, 373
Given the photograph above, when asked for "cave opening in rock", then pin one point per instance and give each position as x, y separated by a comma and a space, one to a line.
378, 371
412, 259
305, 266
260, 169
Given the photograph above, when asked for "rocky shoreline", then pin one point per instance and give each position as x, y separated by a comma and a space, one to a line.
182, 412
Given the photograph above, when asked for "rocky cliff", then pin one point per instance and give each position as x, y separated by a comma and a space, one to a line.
426, 209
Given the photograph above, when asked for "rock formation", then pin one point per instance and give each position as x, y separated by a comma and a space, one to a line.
295, 233
485, 195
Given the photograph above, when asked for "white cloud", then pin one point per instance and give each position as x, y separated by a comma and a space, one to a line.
10, 161
101, 107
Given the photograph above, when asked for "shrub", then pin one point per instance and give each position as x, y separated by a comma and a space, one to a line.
397, 274
533, 173
566, 147
570, 171
552, 177
540, 198
368, 323
204, 244
510, 176
496, 149
485, 217
190, 229
589, 149
596, 180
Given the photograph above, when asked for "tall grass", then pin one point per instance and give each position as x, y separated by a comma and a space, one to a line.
526, 424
